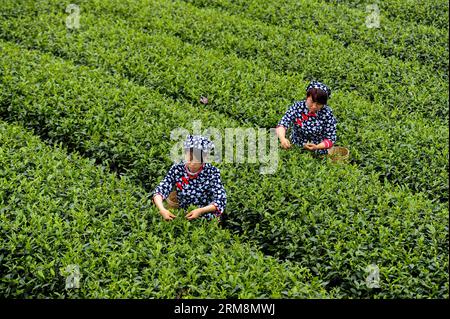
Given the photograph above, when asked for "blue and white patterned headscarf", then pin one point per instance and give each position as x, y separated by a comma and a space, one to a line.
198, 142
320, 86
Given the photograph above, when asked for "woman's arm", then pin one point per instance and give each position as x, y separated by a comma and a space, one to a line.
285, 122
158, 200
162, 191
329, 131
313, 147
281, 133
166, 185
165, 213
200, 211
328, 134
218, 194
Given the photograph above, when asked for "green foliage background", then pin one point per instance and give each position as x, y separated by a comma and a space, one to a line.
86, 120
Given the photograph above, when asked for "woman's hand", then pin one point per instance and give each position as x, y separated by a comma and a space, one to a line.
310, 146
196, 213
281, 131
285, 143
166, 214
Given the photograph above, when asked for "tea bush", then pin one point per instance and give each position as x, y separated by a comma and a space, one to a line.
346, 25
113, 90
422, 12
286, 215
58, 210
123, 51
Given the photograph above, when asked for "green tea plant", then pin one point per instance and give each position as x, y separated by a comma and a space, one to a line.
58, 210
423, 12
235, 97
346, 25
123, 43
325, 218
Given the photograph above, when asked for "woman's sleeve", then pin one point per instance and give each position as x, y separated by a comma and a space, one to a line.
219, 196
288, 118
329, 130
166, 185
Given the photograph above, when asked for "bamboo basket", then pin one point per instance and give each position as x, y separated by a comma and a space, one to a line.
338, 154
172, 200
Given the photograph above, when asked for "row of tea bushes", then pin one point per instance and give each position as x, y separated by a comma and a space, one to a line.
426, 12
348, 27
322, 217
59, 211
185, 72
